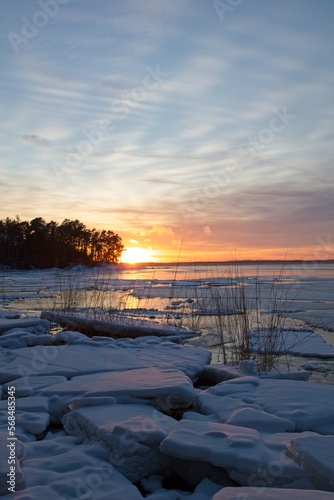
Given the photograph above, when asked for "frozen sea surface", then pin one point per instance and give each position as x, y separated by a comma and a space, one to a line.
130, 418
103, 418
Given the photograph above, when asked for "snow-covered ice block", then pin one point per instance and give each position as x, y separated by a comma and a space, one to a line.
255, 493
32, 416
26, 386
135, 446
316, 455
17, 338
9, 314
310, 406
73, 360
12, 452
221, 445
168, 388
223, 400
71, 337
61, 468
220, 373
204, 491
98, 422
243, 453
260, 421
39, 325
297, 342
133, 434
40, 340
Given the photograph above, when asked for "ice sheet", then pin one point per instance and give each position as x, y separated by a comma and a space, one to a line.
168, 389
95, 357
132, 433
316, 455
310, 406
61, 468
271, 494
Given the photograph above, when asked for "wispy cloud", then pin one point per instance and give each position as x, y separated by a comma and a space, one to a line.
36, 139
177, 151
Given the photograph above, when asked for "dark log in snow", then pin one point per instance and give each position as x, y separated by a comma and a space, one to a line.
116, 327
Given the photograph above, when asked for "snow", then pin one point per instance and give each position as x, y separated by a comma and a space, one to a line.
96, 357
216, 373
19, 452
241, 451
309, 406
301, 342
37, 324
62, 468
316, 455
32, 416
127, 413
271, 494
167, 388
26, 386
117, 327
132, 432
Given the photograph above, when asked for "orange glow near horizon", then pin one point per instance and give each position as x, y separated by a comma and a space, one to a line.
138, 255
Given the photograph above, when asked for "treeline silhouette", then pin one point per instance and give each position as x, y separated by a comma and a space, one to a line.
40, 244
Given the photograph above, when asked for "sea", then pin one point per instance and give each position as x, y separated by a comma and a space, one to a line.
201, 297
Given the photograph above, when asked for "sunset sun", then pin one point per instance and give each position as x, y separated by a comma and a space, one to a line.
136, 255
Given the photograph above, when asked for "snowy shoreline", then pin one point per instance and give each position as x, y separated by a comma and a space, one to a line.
129, 418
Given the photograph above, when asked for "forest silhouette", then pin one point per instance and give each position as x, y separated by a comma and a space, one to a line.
40, 244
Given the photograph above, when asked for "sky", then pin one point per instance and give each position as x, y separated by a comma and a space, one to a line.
194, 129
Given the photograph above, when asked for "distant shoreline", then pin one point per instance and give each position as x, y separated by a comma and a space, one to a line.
228, 262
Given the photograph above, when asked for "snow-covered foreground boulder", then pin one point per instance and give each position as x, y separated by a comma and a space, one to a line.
131, 424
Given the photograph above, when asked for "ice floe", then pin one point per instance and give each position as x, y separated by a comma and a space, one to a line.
302, 342
130, 423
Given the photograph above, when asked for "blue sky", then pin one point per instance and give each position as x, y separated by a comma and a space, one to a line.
207, 122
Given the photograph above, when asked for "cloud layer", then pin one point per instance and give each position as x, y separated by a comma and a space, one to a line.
168, 122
